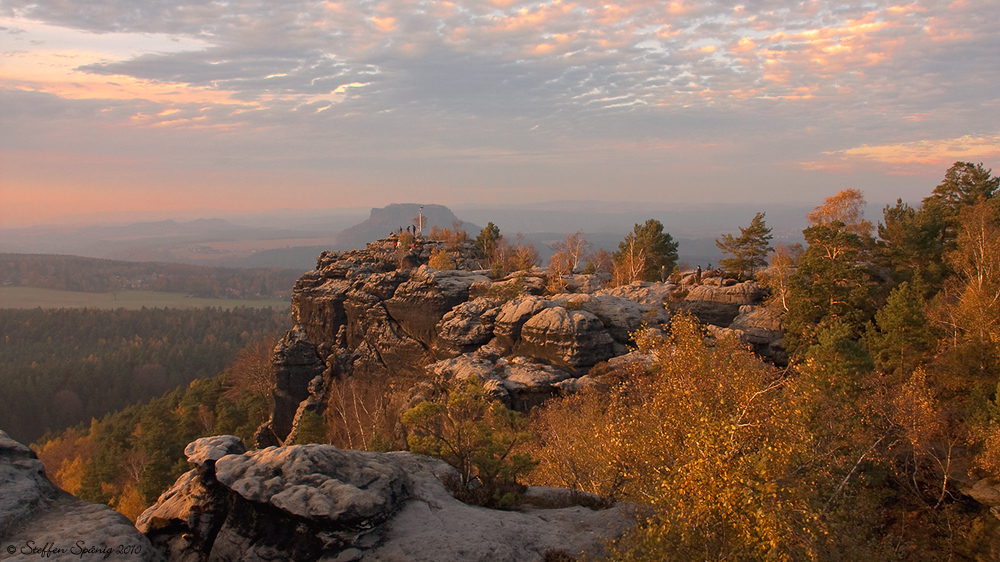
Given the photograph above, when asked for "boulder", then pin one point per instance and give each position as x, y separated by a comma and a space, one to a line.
621, 316
528, 383
512, 317
576, 339
762, 328
467, 326
719, 305
643, 292
317, 502
585, 283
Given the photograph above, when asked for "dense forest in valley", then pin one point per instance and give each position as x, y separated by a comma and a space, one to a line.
64, 366
856, 450
92, 275
127, 459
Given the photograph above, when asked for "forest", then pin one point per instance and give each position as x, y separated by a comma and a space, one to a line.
855, 450
92, 275
61, 367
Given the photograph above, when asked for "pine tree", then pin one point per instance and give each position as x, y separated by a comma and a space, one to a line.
831, 283
645, 251
902, 335
964, 184
749, 249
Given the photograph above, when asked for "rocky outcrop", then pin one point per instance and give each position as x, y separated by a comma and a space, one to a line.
467, 326
519, 382
40, 521
719, 306
312, 502
382, 312
570, 338
297, 362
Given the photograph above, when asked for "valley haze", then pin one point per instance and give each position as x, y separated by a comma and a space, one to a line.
294, 239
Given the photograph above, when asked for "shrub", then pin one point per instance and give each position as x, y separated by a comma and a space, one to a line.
479, 437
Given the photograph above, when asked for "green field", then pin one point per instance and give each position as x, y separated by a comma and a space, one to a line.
30, 297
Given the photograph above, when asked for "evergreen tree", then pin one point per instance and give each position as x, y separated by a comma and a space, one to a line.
749, 249
911, 246
964, 184
645, 251
901, 336
830, 283
488, 241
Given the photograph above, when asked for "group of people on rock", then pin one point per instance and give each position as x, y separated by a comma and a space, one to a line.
411, 230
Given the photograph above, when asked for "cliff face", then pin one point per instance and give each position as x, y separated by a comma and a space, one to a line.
382, 312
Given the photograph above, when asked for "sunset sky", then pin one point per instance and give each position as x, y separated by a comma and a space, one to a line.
203, 108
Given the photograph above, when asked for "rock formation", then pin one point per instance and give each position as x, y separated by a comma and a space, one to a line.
40, 521
318, 502
382, 312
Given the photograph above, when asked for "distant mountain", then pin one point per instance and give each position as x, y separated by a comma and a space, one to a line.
385, 220
294, 239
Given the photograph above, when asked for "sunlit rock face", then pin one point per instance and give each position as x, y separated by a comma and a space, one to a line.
383, 313
318, 502
41, 522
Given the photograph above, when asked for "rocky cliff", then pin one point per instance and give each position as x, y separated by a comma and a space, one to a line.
382, 312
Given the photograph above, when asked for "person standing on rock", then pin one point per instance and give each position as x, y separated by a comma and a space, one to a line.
697, 276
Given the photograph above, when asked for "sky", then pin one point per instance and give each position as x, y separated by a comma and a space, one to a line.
207, 107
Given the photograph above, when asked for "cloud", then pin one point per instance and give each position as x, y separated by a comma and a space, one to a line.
339, 85
913, 157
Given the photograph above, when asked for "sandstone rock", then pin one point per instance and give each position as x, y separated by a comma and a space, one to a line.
578, 384
720, 305
210, 449
589, 283
512, 317
619, 315
25, 487
739, 294
643, 292
467, 326
297, 362
398, 351
528, 383
518, 382
420, 303
644, 360
464, 366
34, 513
317, 482
317, 502
571, 338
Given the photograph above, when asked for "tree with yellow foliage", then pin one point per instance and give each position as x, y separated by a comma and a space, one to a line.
721, 464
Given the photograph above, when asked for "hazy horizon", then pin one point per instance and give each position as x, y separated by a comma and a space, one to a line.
186, 109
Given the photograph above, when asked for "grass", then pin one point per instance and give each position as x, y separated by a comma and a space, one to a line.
30, 297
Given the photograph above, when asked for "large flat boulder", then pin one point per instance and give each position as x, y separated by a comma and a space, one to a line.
317, 502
